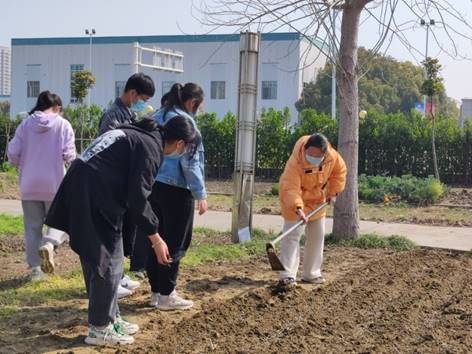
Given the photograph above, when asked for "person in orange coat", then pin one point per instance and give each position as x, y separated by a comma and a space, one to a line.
314, 173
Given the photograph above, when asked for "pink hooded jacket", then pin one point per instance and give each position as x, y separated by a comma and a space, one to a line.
42, 143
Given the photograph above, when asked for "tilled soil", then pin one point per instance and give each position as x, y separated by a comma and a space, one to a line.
373, 301
408, 302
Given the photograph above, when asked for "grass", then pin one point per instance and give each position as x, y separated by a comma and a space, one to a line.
367, 241
11, 225
265, 204
53, 288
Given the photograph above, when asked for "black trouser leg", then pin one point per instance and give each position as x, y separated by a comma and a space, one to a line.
140, 252
175, 209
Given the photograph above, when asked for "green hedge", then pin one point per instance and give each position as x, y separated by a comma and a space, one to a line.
389, 144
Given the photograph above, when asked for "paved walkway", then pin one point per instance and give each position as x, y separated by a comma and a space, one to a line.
458, 238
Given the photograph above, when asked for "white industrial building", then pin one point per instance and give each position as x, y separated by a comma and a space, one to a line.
4, 71
212, 61
466, 111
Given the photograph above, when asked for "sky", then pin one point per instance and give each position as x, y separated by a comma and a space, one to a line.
66, 18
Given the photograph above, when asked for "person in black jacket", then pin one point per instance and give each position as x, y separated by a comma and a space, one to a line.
138, 90
115, 175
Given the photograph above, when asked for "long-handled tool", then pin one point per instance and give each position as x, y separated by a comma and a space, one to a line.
274, 261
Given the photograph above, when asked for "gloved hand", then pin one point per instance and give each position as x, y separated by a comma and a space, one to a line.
331, 200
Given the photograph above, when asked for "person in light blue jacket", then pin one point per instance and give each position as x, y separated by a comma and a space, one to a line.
180, 181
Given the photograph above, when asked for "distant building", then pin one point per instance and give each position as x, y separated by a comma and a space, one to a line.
5, 71
466, 111
287, 61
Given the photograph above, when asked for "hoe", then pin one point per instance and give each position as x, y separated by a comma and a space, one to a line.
274, 260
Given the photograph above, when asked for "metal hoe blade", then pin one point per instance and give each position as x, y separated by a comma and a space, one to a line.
274, 261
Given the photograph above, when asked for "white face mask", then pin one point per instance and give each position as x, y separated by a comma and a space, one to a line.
314, 160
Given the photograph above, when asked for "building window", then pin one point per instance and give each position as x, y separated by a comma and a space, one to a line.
74, 68
166, 86
269, 90
32, 89
218, 89
119, 88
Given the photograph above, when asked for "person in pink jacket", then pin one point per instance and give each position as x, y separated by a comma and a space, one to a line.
42, 144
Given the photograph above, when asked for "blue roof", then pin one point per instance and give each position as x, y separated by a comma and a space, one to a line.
281, 36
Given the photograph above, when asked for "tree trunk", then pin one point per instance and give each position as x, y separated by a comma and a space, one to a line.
346, 211
433, 139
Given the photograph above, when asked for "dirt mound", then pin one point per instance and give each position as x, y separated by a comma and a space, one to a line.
418, 299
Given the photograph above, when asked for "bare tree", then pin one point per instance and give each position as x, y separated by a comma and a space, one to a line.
314, 20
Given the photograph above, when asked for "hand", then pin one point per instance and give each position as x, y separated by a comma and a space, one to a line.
302, 215
202, 206
331, 200
160, 250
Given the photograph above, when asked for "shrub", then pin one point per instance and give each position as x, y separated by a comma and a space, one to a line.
275, 190
400, 189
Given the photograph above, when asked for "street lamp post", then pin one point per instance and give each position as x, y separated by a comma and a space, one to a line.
427, 24
90, 33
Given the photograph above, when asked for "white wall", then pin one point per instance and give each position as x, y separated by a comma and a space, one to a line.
55, 61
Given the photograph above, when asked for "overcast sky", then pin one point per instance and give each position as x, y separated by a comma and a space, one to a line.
66, 18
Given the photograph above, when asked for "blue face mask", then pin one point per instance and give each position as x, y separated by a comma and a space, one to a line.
138, 106
314, 160
175, 155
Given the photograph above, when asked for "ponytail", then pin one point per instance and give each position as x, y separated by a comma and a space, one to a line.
45, 101
179, 94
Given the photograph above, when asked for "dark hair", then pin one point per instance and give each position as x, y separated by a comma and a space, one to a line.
57, 100
181, 128
319, 141
142, 83
45, 101
179, 94
164, 99
177, 128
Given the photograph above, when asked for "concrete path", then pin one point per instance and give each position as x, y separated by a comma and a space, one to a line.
458, 238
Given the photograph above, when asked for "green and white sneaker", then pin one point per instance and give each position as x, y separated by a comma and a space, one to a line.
111, 335
126, 327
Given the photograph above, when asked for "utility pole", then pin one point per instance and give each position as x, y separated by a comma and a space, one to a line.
244, 164
427, 24
90, 33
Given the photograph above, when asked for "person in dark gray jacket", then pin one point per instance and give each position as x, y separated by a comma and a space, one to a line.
138, 90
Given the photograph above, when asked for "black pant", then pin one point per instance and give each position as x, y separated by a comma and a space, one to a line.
174, 207
140, 252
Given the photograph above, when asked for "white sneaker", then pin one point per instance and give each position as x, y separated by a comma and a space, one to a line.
127, 327
46, 252
317, 280
123, 292
36, 274
128, 283
173, 302
110, 335
154, 299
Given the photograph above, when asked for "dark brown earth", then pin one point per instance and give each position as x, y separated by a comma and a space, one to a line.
374, 301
